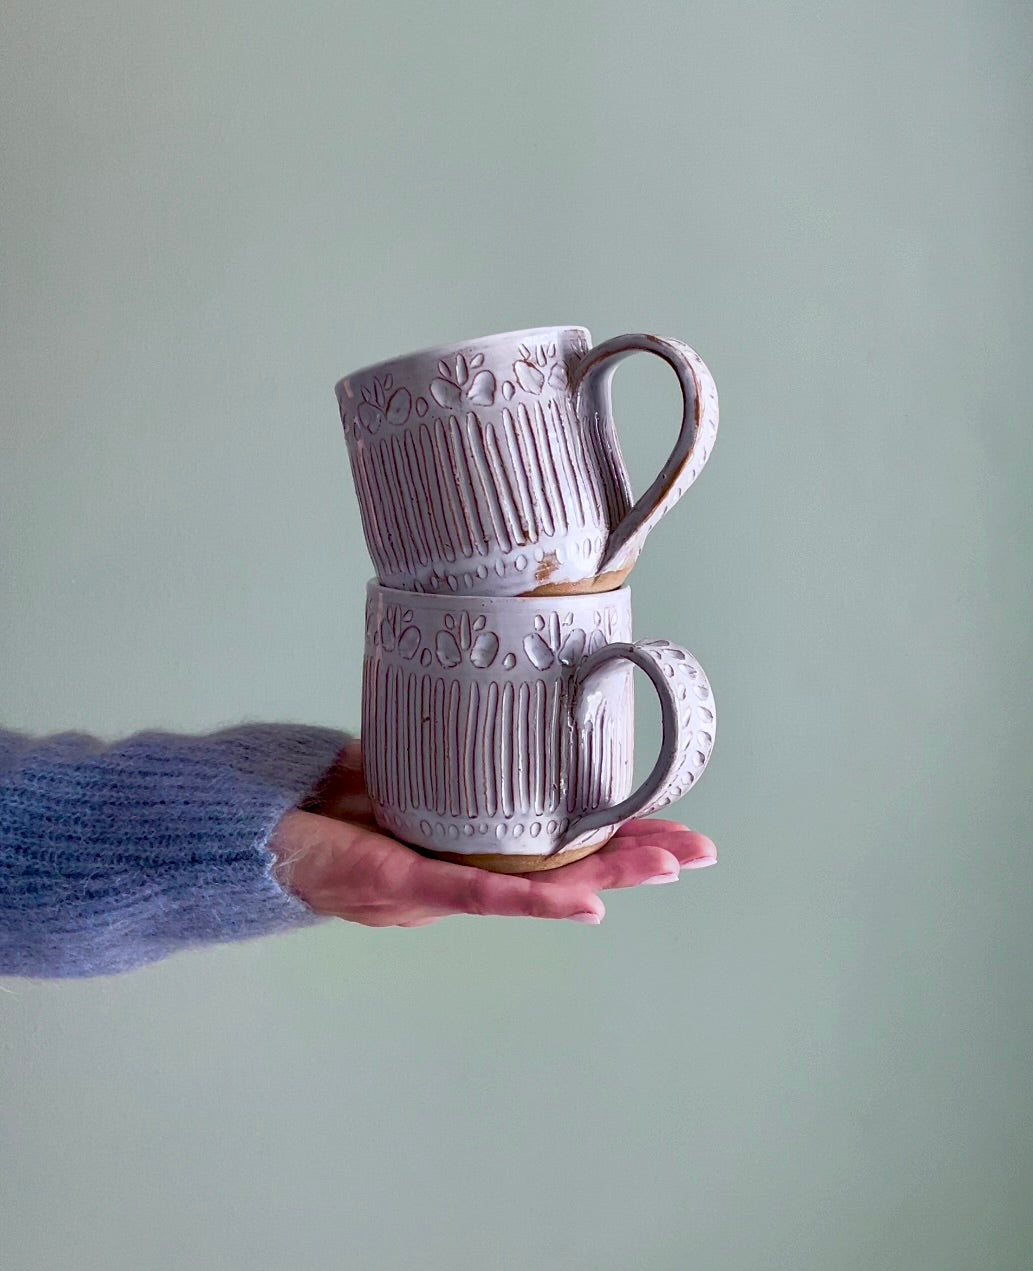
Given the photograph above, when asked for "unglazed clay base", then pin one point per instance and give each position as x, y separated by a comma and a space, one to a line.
505, 863
600, 583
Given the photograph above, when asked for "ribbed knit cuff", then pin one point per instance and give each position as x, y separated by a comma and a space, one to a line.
112, 856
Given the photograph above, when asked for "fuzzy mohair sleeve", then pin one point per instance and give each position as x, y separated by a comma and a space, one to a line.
113, 855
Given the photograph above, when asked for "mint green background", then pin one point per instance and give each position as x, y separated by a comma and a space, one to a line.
815, 1056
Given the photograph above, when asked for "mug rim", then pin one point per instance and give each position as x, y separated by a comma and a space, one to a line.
442, 350
452, 599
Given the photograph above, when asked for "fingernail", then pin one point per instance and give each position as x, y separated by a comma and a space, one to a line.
700, 862
660, 878
591, 918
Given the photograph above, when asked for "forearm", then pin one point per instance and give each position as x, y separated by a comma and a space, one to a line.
115, 855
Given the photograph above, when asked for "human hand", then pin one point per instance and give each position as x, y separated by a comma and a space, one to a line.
331, 855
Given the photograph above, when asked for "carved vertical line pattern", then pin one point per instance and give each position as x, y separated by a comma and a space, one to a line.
540, 498
539, 746
627, 732
381, 750
389, 501
446, 490
605, 755
473, 704
417, 481
417, 546
411, 741
491, 767
367, 506
547, 462
399, 772
408, 513
369, 739
398, 757
451, 749
367, 503
506, 493
557, 772
385, 505
461, 477
591, 768
573, 447
616, 756
384, 753
505, 751
426, 740
518, 474
481, 746
389, 767
401, 739
428, 467
522, 794
587, 788
438, 731
491, 494
608, 447
480, 525
568, 476
582, 742
453, 475
585, 446
574, 771
400, 760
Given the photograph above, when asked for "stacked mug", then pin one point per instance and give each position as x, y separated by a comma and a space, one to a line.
497, 698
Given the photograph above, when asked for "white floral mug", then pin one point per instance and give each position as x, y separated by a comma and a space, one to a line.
493, 467
499, 731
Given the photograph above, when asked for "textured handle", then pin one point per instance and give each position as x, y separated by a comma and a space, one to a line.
591, 380
688, 721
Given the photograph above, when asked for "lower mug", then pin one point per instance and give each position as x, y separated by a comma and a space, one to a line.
499, 731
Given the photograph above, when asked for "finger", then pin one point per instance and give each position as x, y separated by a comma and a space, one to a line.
624, 863
649, 825
693, 850
462, 889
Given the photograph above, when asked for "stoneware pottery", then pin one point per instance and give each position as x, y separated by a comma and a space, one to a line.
498, 731
493, 467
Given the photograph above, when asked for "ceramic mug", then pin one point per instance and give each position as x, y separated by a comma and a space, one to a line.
499, 731
493, 467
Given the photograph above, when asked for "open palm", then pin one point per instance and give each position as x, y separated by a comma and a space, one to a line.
331, 854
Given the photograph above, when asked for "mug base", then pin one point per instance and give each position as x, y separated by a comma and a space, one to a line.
595, 585
510, 863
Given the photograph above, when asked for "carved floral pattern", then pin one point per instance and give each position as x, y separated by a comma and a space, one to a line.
382, 402
463, 636
398, 632
534, 369
461, 379
557, 639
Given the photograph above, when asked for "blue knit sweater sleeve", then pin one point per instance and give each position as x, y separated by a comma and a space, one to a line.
115, 855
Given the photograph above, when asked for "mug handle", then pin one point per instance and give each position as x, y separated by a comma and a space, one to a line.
688, 721
590, 381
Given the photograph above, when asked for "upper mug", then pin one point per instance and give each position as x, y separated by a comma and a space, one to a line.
493, 467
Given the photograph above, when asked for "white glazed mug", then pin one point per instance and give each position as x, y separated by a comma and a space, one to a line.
499, 731
493, 467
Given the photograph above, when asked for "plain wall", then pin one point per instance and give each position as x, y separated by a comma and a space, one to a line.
815, 1056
